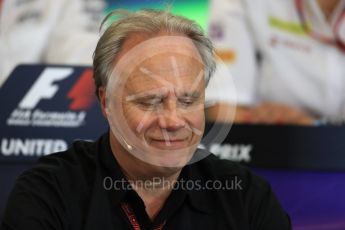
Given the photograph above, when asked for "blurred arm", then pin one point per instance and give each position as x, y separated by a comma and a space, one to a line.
264, 113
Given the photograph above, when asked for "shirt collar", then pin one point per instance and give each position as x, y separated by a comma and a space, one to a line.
192, 172
318, 19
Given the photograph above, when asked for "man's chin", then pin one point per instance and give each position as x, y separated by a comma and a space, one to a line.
171, 157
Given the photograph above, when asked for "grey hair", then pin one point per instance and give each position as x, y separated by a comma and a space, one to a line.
146, 21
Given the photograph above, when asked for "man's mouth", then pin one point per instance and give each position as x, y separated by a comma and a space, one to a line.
173, 143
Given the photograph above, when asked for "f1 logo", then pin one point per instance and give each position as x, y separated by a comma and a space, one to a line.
44, 88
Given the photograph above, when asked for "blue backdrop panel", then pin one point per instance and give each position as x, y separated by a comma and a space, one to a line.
45, 108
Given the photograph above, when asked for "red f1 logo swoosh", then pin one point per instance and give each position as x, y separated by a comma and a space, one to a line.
82, 92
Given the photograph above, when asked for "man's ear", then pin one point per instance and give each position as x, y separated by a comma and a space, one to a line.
101, 96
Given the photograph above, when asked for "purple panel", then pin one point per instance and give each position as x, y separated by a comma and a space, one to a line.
314, 200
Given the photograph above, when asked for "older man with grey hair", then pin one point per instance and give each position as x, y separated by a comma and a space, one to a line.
151, 69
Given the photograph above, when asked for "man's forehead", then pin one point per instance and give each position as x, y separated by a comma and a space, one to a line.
162, 61
167, 70
168, 64
163, 92
184, 84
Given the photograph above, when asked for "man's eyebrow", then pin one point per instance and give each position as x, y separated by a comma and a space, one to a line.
193, 94
143, 96
146, 95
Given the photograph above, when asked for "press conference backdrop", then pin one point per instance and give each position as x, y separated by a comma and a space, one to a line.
46, 108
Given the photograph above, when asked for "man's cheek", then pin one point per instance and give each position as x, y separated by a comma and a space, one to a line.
133, 119
197, 120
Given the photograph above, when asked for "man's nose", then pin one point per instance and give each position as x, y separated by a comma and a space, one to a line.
170, 118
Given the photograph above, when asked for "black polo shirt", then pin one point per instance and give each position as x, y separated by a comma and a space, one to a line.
84, 188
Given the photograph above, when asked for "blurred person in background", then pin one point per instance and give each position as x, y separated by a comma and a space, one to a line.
287, 58
47, 31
